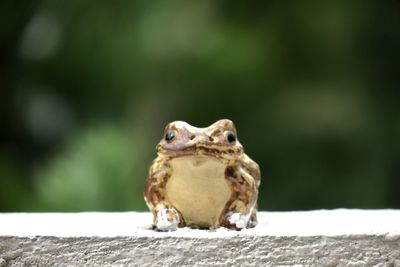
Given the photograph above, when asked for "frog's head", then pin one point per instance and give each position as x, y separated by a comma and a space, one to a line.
218, 140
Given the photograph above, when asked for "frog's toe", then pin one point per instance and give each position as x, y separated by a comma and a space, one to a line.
239, 220
253, 218
167, 220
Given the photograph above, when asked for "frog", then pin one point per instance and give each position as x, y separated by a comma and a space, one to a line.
201, 178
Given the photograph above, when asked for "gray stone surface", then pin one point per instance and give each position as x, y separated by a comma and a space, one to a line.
312, 238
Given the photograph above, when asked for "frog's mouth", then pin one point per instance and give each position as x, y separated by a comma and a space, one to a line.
222, 153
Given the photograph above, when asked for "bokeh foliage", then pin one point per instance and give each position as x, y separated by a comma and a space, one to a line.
87, 87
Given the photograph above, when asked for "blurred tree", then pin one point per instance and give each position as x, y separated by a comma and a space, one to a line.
95, 172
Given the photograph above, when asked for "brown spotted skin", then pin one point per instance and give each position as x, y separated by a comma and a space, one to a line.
154, 192
241, 173
244, 179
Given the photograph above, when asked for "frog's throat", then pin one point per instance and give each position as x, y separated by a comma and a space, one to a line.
198, 189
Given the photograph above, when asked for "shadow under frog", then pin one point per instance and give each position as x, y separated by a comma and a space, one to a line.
202, 179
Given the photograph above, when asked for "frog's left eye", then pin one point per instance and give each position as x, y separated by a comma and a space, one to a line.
169, 135
230, 136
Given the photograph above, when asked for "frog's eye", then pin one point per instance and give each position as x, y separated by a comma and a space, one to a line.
169, 135
230, 136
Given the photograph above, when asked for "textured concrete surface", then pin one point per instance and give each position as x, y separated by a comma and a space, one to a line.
311, 238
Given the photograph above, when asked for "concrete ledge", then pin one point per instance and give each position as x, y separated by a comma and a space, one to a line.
318, 238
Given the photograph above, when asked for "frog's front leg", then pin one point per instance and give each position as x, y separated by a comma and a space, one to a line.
241, 210
165, 216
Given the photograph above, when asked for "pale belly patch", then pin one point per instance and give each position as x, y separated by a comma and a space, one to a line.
198, 189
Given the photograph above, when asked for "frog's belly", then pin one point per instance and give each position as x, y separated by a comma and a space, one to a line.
198, 189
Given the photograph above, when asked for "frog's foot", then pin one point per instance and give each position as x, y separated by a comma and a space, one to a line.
238, 220
253, 219
167, 220
252, 223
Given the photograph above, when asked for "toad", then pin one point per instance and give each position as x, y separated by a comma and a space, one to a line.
202, 178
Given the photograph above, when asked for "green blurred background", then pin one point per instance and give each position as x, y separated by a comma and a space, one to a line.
86, 88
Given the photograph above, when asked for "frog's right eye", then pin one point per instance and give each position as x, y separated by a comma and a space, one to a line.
169, 135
